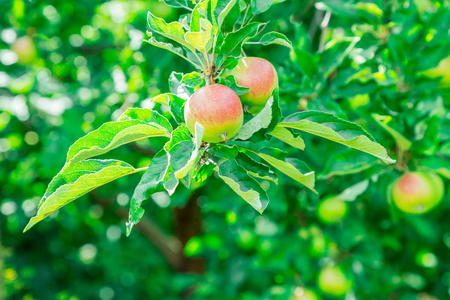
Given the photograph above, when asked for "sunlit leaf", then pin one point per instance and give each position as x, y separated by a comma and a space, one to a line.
133, 125
285, 135
77, 180
173, 31
288, 169
338, 130
195, 154
244, 185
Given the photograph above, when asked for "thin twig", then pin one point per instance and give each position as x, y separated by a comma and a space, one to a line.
200, 60
245, 15
324, 27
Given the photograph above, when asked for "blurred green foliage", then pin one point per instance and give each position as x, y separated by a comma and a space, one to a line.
69, 66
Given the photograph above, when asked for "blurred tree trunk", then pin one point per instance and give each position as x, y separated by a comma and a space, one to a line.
188, 222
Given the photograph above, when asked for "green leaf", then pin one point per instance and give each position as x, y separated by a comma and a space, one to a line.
232, 44
195, 155
445, 149
151, 182
266, 119
352, 192
146, 115
220, 9
369, 8
178, 87
77, 180
288, 169
230, 82
225, 151
256, 169
338, 130
286, 136
275, 38
437, 164
347, 162
193, 79
261, 120
178, 150
177, 3
260, 6
168, 46
175, 104
173, 31
305, 62
403, 143
204, 171
201, 40
244, 185
231, 19
133, 125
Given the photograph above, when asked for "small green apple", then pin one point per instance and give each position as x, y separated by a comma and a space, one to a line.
417, 192
333, 281
332, 210
218, 109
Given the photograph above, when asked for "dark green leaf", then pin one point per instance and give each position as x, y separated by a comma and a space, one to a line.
256, 169
151, 182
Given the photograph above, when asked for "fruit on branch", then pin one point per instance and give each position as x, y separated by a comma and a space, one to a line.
332, 210
25, 49
417, 192
333, 281
319, 242
218, 109
260, 76
442, 70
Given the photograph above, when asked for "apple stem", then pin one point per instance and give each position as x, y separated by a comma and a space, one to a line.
224, 137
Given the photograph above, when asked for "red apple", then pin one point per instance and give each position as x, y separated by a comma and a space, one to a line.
417, 192
25, 50
218, 109
260, 76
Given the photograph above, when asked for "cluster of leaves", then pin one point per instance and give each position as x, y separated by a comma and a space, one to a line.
209, 40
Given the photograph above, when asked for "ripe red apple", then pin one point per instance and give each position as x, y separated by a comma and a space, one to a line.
332, 210
218, 109
260, 76
417, 192
25, 50
333, 281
